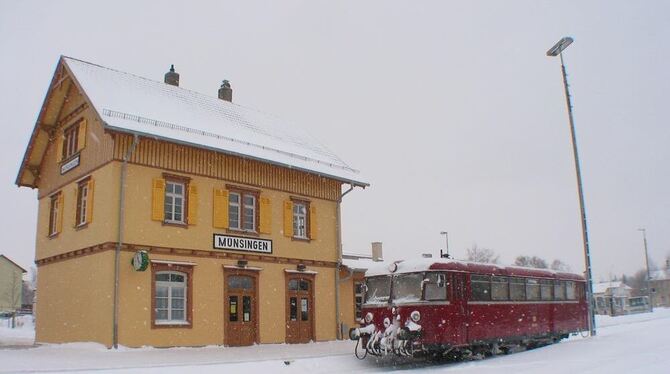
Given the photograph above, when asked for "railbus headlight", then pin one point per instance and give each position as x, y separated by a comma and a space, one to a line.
368, 317
415, 316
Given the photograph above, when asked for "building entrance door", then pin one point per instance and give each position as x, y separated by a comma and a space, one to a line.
299, 308
241, 308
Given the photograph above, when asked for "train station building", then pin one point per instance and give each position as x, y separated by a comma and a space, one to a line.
171, 218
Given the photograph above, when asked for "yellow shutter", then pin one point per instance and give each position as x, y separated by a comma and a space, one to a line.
192, 204
220, 219
288, 218
81, 141
61, 208
89, 201
158, 199
266, 216
312, 222
59, 146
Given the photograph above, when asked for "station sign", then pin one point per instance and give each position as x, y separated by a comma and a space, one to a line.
240, 243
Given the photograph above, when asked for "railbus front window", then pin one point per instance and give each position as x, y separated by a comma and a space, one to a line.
378, 289
407, 287
435, 287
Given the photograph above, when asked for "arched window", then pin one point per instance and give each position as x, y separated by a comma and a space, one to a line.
171, 301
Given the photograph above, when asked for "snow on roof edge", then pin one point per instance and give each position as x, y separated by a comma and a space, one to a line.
232, 153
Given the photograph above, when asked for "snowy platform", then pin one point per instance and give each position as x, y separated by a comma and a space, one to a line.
626, 344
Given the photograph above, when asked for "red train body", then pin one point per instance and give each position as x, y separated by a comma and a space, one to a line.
442, 306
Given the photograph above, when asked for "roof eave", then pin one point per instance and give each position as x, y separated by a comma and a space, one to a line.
352, 182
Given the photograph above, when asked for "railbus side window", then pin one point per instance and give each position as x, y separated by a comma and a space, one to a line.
499, 288
435, 286
481, 287
517, 289
532, 289
559, 290
570, 290
546, 289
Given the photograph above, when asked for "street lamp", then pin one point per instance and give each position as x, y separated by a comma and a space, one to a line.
446, 236
646, 259
557, 50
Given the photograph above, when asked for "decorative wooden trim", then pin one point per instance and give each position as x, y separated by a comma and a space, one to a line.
75, 112
184, 252
186, 269
180, 158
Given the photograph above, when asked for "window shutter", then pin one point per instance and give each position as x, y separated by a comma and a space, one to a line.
59, 146
158, 199
220, 219
192, 204
89, 201
288, 218
312, 222
61, 208
81, 135
266, 216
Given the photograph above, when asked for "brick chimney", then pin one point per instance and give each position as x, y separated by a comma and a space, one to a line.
225, 92
377, 254
171, 77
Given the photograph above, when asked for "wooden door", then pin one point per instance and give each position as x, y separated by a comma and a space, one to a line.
241, 309
299, 309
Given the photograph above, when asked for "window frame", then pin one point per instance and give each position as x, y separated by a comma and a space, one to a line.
187, 271
70, 141
54, 212
242, 193
81, 215
359, 298
184, 181
306, 205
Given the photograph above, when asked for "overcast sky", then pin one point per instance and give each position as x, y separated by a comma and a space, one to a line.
451, 110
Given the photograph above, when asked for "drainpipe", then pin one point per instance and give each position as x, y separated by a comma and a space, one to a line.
117, 253
338, 229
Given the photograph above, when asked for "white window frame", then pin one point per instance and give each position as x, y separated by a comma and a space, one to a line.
173, 196
298, 231
82, 202
170, 285
253, 212
70, 139
235, 207
53, 217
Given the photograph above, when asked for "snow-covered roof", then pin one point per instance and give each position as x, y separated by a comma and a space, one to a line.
132, 104
602, 287
660, 275
426, 264
362, 264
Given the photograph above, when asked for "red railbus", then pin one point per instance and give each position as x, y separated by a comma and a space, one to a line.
444, 306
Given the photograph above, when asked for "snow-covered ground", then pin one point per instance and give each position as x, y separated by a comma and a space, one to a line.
628, 344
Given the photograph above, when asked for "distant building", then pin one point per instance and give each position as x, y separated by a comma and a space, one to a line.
11, 285
615, 299
660, 285
352, 279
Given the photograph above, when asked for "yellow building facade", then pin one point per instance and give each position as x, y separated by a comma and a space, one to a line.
171, 218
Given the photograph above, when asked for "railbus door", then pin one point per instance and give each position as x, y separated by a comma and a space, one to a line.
459, 301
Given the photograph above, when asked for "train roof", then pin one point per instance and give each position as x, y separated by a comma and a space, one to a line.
426, 264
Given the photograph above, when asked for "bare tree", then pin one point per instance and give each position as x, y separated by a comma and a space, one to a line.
476, 254
638, 282
559, 265
531, 261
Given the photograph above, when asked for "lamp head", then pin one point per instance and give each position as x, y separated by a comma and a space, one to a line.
559, 47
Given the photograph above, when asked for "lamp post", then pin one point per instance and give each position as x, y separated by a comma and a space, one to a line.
446, 236
557, 50
646, 260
